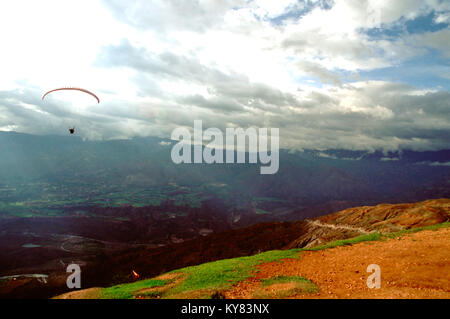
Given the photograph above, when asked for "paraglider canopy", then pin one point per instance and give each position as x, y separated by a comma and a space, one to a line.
76, 89
72, 130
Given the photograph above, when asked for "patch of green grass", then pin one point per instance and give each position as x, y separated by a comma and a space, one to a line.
377, 236
209, 277
128, 291
223, 274
295, 285
417, 229
151, 294
350, 241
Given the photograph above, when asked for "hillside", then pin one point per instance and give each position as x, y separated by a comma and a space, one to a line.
382, 218
351, 226
413, 265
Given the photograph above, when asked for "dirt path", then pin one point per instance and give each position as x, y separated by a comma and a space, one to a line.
90, 293
413, 266
346, 227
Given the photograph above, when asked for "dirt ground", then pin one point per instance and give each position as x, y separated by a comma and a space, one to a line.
80, 294
413, 266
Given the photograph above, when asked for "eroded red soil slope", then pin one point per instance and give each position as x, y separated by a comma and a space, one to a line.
412, 266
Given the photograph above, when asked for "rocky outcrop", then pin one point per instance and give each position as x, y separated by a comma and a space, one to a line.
382, 218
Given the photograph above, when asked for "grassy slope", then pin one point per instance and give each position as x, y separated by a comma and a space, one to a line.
206, 280
294, 285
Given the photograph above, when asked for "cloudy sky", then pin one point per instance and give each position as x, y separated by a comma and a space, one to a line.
354, 74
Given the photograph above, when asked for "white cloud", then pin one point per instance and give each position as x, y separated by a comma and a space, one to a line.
442, 18
160, 64
438, 40
272, 9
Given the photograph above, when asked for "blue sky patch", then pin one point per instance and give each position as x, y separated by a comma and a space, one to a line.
421, 24
428, 71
